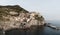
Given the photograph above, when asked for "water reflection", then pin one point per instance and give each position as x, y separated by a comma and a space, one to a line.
32, 31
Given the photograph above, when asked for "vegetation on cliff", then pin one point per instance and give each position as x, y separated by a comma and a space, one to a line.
17, 17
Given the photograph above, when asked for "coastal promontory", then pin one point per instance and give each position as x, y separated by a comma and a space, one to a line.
17, 17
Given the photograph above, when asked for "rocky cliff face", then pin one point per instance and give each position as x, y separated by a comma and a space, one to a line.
17, 17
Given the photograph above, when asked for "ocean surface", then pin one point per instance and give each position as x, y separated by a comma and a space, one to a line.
38, 31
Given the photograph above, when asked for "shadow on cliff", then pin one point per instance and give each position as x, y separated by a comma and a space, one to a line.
34, 30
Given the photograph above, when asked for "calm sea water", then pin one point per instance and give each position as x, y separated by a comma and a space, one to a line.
40, 31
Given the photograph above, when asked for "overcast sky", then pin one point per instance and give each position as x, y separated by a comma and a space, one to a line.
50, 9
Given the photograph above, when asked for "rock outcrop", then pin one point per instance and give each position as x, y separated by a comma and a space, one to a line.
17, 17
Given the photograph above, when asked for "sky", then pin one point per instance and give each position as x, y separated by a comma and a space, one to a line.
50, 9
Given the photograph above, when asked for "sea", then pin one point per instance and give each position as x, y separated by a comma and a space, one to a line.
38, 31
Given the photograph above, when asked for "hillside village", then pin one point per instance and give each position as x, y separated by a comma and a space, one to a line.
17, 17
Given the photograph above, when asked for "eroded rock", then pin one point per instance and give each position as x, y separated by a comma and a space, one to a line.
17, 17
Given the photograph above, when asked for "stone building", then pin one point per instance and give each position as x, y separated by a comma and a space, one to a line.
17, 17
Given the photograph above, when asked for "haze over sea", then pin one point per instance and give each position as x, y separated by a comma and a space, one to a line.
50, 9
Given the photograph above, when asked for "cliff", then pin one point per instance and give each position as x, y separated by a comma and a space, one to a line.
17, 17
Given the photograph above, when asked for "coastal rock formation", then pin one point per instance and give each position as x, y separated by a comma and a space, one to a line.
17, 17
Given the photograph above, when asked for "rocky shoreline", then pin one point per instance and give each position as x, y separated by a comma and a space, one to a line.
16, 17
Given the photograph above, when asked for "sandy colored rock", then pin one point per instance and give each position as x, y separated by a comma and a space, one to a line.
17, 17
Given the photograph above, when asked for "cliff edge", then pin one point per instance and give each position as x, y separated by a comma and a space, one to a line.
17, 17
